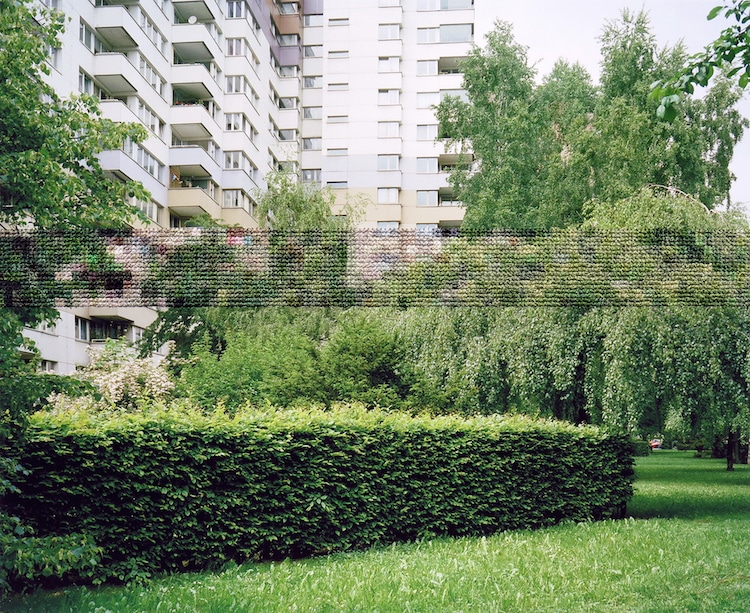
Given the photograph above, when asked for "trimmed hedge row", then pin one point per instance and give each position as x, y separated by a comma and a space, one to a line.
174, 491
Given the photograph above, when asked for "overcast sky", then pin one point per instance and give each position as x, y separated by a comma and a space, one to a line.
568, 29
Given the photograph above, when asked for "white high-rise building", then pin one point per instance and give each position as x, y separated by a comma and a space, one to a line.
339, 91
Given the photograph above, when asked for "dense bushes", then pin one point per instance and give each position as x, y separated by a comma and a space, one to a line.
176, 490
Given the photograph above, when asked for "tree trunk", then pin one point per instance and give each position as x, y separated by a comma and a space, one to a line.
732, 441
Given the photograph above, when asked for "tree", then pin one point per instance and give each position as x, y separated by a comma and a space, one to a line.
51, 178
730, 52
535, 154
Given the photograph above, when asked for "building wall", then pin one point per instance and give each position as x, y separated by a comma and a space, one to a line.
370, 127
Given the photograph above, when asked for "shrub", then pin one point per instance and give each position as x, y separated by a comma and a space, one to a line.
180, 490
641, 448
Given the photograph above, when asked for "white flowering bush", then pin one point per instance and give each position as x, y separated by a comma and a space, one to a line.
123, 381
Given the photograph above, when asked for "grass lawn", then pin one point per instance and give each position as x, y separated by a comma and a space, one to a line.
685, 548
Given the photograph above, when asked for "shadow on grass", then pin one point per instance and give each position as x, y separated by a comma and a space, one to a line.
674, 484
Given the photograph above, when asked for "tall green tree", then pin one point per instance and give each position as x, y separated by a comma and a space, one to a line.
50, 176
535, 154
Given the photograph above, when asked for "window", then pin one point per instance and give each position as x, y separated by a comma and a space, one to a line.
457, 33
427, 165
82, 329
388, 162
149, 118
287, 71
338, 118
47, 366
385, 3
338, 87
389, 129
389, 31
288, 40
86, 84
337, 184
428, 35
389, 64
312, 112
427, 68
288, 8
233, 159
389, 96
286, 135
338, 151
233, 198
338, 55
234, 122
427, 228
149, 73
312, 50
236, 84
388, 195
427, 198
449, 200
426, 100
338, 21
312, 82
387, 226
444, 5
286, 103
89, 39
312, 144
458, 93
235, 9
311, 175
427, 132
313, 20
150, 209
143, 158
235, 46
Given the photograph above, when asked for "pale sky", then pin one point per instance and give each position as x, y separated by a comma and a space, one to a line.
568, 29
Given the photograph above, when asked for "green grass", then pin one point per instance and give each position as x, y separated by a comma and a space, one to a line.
686, 548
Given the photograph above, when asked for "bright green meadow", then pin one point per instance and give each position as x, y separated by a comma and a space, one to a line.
685, 548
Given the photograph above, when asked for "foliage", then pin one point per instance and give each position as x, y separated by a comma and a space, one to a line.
120, 379
534, 155
290, 205
730, 53
30, 560
656, 560
178, 490
49, 170
50, 176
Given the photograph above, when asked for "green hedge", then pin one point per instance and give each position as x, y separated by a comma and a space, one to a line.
174, 491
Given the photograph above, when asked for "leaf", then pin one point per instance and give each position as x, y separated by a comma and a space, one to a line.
744, 79
714, 12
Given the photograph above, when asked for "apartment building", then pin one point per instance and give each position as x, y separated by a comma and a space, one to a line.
340, 92
371, 73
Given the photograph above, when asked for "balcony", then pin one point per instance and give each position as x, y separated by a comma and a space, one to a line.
191, 202
194, 43
113, 25
193, 121
203, 10
117, 111
117, 75
238, 216
238, 179
194, 81
193, 161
